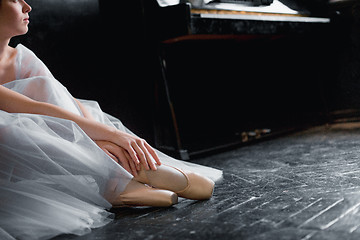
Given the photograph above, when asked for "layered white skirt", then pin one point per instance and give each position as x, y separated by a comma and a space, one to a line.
53, 177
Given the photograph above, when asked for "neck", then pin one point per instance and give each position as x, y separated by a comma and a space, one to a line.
4, 45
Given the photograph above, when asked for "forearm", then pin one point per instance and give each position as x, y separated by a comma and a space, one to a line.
84, 111
138, 149
95, 130
14, 102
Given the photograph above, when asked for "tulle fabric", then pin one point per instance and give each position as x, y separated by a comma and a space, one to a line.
53, 178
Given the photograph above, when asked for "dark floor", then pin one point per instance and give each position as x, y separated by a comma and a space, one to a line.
303, 186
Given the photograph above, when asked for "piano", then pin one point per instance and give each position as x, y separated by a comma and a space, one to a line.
184, 21
194, 18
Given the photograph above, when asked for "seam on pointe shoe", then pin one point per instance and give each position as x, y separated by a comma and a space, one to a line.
186, 176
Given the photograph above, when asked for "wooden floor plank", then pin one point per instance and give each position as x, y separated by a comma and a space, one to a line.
303, 186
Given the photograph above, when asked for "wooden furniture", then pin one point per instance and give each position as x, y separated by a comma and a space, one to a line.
168, 26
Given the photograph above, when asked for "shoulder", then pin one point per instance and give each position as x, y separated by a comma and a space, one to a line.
24, 52
25, 56
12, 50
23, 48
28, 64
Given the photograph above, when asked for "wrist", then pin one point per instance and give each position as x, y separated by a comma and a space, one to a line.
111, 134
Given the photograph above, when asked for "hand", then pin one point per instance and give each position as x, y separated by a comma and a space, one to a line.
138, 149
120, 155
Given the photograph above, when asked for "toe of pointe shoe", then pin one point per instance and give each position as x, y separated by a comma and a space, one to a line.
199, 187
147, 197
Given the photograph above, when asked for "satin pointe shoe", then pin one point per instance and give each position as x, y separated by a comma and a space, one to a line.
185, 184
138, 194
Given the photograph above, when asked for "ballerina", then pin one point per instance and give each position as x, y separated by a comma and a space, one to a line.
63, 161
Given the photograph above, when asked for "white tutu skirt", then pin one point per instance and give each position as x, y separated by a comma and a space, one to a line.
53, 177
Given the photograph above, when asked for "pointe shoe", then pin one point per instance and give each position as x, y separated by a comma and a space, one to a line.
138, 194
185, 184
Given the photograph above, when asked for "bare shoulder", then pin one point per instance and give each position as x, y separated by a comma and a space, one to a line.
7, 66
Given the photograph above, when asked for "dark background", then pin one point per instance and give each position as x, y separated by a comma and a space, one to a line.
97, 52
107, 51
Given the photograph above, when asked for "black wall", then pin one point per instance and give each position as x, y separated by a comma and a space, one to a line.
105, 50
347, 84
96, 49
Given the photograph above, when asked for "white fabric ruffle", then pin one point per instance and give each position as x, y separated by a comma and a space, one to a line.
53, 178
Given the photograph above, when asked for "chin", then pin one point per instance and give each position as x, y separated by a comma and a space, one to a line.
23, 32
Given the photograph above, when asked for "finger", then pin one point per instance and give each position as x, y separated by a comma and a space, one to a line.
118, 154
137, 166
133, 154
124, 161
133, 167
141, 155
111, 155
130, 161
149, 159
153, 153
126, 166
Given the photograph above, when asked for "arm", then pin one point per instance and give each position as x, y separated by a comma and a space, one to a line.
114, 151
138, 149
14, 102
84, 111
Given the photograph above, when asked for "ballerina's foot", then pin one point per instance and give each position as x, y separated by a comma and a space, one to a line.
138, 194
185, 184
